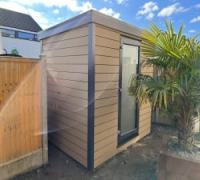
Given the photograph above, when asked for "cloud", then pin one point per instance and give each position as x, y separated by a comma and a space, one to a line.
148, 10
195, 20
26, 6
110, 12
120, 1
85, 7
197, 5
37, 16
192, 31
73, 5
56, 11
172, 9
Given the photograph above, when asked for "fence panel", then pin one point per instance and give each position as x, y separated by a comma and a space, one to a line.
20, 108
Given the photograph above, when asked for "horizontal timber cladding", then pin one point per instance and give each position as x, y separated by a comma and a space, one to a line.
107, 53
66, 57
107, 61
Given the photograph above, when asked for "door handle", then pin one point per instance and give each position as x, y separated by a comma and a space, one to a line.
120, 89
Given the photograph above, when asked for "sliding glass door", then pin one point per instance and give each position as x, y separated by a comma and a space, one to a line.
128, 109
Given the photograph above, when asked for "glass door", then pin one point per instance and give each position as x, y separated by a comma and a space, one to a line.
128, 109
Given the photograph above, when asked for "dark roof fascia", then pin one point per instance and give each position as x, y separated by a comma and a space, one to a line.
72, 23
91, 16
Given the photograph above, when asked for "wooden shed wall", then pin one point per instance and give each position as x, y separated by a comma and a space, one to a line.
107, 60
66, 55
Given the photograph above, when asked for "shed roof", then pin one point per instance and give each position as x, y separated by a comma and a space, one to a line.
91, 16
18, 20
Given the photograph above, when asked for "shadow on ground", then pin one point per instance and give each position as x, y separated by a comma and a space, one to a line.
138, 162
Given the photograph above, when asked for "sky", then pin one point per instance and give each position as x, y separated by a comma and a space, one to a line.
140, 13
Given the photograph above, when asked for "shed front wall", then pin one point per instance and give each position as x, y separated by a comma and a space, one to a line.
107, 61
66, 55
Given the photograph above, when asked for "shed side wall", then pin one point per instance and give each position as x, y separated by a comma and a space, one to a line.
66, 55
107, 60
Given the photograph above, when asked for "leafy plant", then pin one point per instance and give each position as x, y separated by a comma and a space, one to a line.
176, 85
15, 52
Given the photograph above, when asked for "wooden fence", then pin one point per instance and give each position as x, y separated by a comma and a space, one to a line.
21, 114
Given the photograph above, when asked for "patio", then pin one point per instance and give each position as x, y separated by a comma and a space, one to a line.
139, 162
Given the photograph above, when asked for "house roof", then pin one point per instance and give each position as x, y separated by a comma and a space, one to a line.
18, 20
91, 16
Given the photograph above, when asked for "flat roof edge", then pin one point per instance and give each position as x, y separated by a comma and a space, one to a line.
69, 24
91, 16
116, 24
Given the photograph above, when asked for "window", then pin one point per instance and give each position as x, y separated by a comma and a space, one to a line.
18, 34
7, 33
28, 36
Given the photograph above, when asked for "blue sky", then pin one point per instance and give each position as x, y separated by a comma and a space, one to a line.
137, 12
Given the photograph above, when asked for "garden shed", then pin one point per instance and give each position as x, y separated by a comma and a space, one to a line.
90, 59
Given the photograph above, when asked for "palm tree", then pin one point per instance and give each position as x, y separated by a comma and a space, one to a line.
176, 84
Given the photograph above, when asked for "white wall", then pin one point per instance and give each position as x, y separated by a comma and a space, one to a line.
26, 48
1, 45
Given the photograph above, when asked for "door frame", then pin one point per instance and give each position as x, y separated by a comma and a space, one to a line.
124, 139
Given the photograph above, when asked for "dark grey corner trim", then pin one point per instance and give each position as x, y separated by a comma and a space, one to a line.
91, 95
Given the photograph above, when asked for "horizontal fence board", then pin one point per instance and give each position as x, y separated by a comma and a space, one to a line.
106, 94
105, 42
78, 59
66, 43
106, 69
72, 139
106, 155
106, 86
75, 138
105, 110
68, 92
80, 156
56, 127
79, 117
68, 76
105, 118
103, 51
67, 83
106, 77
103, 135
100, 59
68, 99
70, 107
73, 51
67, 123
75, 33
68, 68
107, 33
110, 149
105, 102
67, 95
105, 126
144, 123
109, 140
